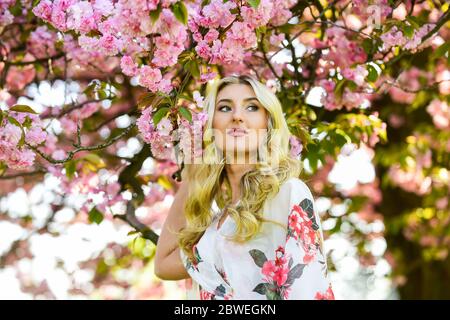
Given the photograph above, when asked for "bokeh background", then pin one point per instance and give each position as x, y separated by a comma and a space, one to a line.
91, 91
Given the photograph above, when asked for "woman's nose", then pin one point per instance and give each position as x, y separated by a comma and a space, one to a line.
237, 116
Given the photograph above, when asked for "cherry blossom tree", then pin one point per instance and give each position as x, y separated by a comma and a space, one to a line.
104, 98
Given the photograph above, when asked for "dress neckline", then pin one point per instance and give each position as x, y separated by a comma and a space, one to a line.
221, 213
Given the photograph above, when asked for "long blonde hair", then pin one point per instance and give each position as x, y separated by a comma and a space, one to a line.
208, 181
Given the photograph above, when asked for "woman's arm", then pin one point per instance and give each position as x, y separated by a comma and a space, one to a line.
168, 264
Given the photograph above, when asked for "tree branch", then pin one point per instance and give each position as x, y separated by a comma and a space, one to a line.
132, 220
88, 148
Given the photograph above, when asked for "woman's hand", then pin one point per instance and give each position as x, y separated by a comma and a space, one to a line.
168, 264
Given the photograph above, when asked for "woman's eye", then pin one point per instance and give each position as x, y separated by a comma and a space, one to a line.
225, 108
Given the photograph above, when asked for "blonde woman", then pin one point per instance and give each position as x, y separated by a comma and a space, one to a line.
242, 224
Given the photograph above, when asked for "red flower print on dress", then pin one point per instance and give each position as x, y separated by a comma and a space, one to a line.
205, 295
278, 274
220, 293
302, 226
328, 295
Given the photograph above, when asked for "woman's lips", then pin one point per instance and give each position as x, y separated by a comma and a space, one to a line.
237, 132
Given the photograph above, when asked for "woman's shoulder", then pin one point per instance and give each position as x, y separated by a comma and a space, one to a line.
292, 190
294, 184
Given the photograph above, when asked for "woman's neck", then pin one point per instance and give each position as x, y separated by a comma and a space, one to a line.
234, 174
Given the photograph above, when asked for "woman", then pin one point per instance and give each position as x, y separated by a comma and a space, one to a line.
242, 224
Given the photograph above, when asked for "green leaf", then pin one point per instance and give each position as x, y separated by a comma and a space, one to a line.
146, 100
14, 122
260, 288
367, 45
193, 67
95, 216
441, 50
408, 31
154, 15
254, 3
70, 169
258, 256
17, 123
102, 95
415, 22
22, 108
159, 115
373, 74
272, 295
186, 114
308, 207
94, 159
16, 10
139, 244
90, 89
295, 273
339, 89
180, 12
3, 168
27, 122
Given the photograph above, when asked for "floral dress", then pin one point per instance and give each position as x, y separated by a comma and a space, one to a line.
277, 264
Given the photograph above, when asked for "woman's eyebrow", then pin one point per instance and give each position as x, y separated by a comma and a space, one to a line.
229, 100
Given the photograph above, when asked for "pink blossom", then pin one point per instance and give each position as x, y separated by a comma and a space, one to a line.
365, 9
276, 39
259, 16
35, 136
413, 44
165, 85
212, 35
162, 146
394, 37
80, 17
203, 50
208, 75
198, 98
20, 159
440, 112
167, 51
296, 147
280, 12
105, 7
217, 14
43, 10
358, 74
149, 78
128, 66
6, 18
69, 126
197, 36
59, 154
108, 45
164, 127
227, 52
145, 124
18, 77
41, 42
243, 34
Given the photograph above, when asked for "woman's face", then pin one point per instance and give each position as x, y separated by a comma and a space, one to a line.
239, 122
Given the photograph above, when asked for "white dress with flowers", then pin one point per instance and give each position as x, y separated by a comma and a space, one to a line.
277, 264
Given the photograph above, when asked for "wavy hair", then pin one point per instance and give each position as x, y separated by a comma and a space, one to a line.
208, 181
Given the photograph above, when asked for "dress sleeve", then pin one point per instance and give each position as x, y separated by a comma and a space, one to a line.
299, 269
306, 269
